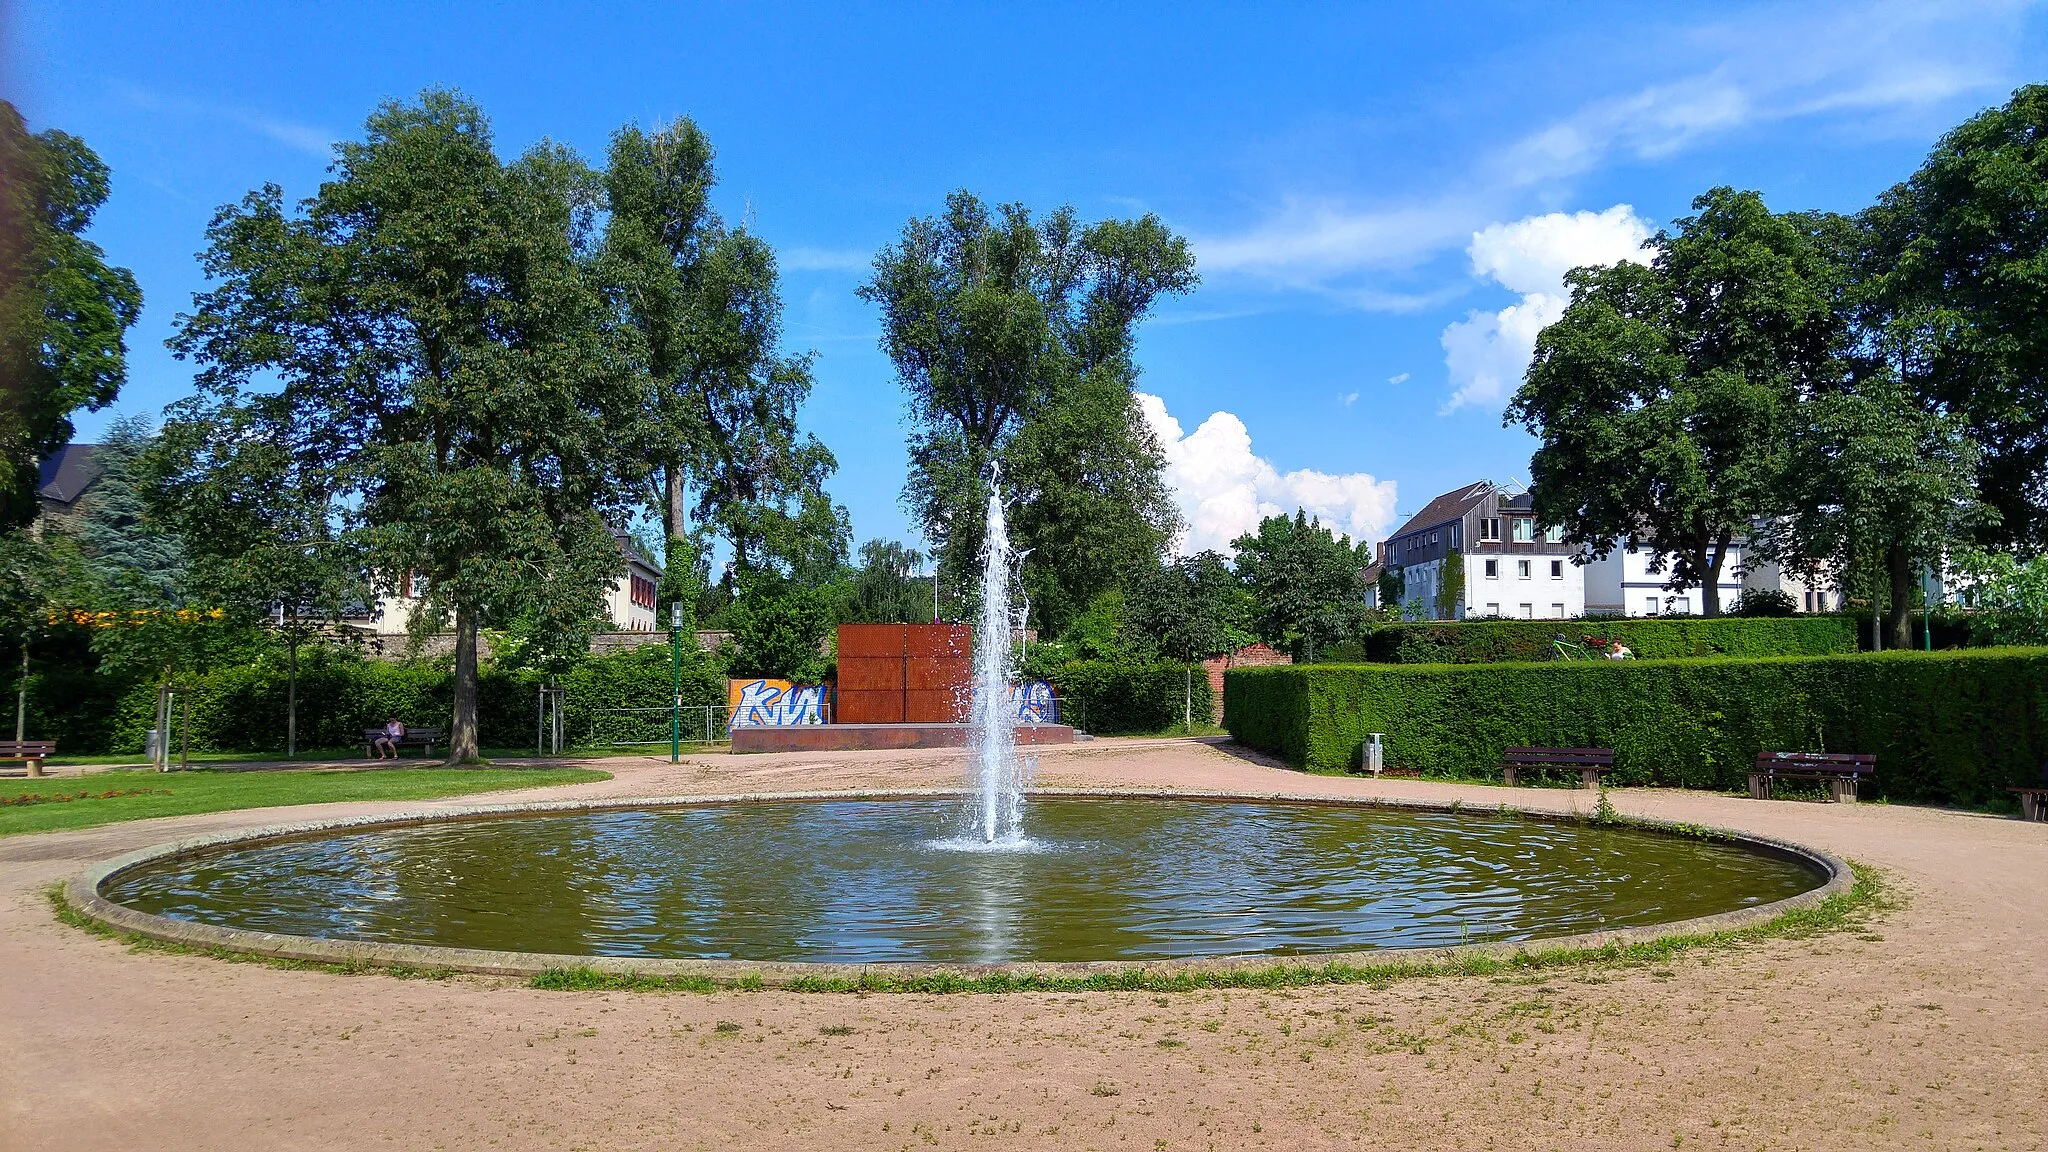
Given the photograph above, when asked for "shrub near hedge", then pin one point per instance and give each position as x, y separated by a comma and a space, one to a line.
1112, 698
243, 708
1650, 637
1955, 727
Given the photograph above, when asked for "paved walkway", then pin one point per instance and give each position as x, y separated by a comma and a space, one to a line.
1929, 1030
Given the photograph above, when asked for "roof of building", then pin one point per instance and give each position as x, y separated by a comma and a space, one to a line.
631, 551
1447, 507
64, 475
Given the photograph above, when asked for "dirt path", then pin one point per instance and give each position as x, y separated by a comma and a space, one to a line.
1929, 1031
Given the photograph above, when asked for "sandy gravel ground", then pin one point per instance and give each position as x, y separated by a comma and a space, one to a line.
1929, 1030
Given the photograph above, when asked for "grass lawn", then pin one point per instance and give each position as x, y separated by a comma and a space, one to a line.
325, 755
113, 796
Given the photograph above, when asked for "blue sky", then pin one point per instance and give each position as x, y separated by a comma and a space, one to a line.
1381, 199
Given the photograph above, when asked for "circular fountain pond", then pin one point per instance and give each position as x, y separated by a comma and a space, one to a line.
866, 880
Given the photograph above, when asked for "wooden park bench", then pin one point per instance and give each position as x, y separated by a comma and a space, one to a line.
30, 752
1592, 763
1840, 770
2033, 803
414, 737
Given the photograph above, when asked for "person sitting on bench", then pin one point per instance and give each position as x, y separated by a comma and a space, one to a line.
388, 742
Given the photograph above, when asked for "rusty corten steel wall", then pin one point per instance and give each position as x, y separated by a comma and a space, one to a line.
846, 737
903, 673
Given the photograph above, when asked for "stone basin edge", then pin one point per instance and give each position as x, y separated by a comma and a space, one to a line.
83, 894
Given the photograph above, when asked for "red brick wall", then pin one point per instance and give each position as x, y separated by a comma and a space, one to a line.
1250, 656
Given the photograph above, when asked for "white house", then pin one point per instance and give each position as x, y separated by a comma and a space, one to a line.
629, 604
1485, 537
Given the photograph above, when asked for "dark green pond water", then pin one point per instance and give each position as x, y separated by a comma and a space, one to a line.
878, 880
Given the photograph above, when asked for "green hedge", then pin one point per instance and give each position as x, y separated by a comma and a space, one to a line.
1650, 637
243, 708
1110, 698
1946, 726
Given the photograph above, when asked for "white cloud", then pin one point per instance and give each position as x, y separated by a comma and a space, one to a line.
1864, 65
1486, 353
306, 138
1223, 489
1348, 399
1400, 378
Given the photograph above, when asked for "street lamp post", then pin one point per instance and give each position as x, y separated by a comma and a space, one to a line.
675, 649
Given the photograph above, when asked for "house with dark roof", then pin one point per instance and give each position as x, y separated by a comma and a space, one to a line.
65, 476
1477, 551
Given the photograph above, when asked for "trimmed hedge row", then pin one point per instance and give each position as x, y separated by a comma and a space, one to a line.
340, 694
1650, 637
1947, 727
1109, 698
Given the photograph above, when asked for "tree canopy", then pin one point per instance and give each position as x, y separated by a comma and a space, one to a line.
64, 311
1664, 395
1013, 337
427, 339
1308, 583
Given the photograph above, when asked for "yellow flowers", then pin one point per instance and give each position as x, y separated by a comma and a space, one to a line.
137, 616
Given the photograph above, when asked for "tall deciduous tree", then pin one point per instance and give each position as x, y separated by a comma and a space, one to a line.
1014, 338
1878, 490
64, 311
703, 300
428, 337
1959, 257
1664, 394
1307, 582
1190, 608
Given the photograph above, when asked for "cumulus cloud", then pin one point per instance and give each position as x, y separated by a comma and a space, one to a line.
1348, 399
1487, 352
1398, 378
1883, 67
1224, 489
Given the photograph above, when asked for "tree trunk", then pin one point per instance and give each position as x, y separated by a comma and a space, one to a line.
672, 516
462, 747
1710, 589
21, 696
1899, 613
291, 694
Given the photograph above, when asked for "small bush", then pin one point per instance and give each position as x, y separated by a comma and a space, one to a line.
1763, 602
1956, 727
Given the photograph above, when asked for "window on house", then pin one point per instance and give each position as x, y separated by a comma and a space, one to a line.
415, 585
1649, 605
1681, 606
1553, 534
1525, 530
1489, 527
1528, 611
1557, 611
1492, 569
1432, 537
1557, 569
1522, 569
1809, 599
1493, 609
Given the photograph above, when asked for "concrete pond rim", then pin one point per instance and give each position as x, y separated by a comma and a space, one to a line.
83, 894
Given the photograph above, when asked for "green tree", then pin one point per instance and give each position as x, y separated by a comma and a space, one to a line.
1957, 268
260, 528
1664, 395
779, 629
429, 337
2010, 596
1014, 338
886, 589
1307, 583
1190, 607
703, 301
64, 311
1877, 490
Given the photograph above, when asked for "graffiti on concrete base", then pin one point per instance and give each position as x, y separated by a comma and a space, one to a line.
775, 703
1032, 703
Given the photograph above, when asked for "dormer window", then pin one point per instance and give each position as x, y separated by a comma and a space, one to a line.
1525, 530
1489, 528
